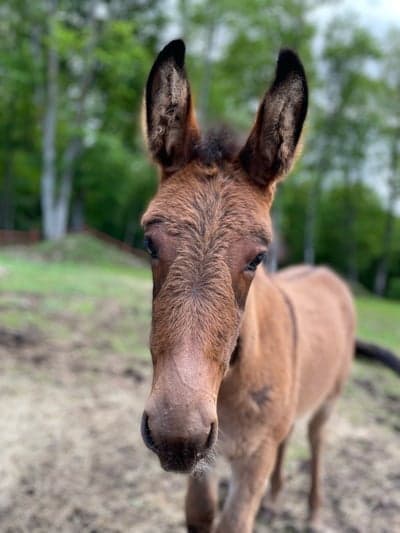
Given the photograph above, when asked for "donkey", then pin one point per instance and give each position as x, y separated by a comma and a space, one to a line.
238, 354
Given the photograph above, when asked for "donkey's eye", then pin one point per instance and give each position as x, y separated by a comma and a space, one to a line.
251, 267
150, 247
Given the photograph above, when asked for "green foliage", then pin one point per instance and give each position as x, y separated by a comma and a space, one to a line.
232, 78
333, 219
394, 288
111, 177
329, 205
377, 321
110, 181
292, 197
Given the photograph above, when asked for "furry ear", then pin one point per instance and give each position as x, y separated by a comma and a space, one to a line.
269, 151
171, 127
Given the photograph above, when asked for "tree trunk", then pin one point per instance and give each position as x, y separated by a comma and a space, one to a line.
321, 169
272, 259
381, 275
7, 193
78, 214
56, 200
48, 179
130, 230
349, 230
311, 216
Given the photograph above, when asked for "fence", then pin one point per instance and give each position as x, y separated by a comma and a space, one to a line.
115, 242
8, 237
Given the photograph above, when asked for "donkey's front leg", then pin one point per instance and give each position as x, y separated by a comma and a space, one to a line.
249, 478
201, 502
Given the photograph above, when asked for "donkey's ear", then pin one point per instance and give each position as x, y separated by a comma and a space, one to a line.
270, 149
171, 127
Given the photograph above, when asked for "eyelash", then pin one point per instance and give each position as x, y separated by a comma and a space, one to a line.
252, 266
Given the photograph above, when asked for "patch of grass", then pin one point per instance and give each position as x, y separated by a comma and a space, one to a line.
106, 303
55, 286
379, 321
30, 276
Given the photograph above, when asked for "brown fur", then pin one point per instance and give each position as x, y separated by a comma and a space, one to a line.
234, 348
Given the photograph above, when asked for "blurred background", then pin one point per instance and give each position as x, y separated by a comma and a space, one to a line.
73, 74
75, 286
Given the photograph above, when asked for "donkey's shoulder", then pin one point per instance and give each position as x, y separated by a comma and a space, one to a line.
307, 273
307, 284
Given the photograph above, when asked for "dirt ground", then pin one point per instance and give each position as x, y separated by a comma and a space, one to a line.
72, 459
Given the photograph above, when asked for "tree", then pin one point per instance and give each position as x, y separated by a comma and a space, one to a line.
18, 146
390, 134
56, 190
343, 126
331, 246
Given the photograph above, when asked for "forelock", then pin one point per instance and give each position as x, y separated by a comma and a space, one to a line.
216, 147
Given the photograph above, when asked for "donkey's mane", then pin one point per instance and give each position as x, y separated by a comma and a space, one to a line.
216, 146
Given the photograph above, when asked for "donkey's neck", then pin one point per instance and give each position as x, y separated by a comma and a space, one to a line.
261, 380
268, 324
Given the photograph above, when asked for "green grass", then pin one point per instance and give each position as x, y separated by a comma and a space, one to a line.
50, 283
78, 264
107, 300
379, 321
29, 275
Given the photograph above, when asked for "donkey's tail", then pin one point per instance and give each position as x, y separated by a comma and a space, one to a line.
377, 353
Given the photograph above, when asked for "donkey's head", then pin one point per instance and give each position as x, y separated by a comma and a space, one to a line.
207, 229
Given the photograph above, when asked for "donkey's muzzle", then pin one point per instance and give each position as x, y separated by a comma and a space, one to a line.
178, 453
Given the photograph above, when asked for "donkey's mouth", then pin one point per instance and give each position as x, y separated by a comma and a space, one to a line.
178, 454
184, 461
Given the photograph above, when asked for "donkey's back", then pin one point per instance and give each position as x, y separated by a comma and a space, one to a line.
324, 315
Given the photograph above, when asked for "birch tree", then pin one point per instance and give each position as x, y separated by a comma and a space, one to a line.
57, 176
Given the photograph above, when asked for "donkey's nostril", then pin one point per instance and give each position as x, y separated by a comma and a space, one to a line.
212, 436
146, 433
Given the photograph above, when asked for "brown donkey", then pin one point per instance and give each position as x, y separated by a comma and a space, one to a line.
238, 354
